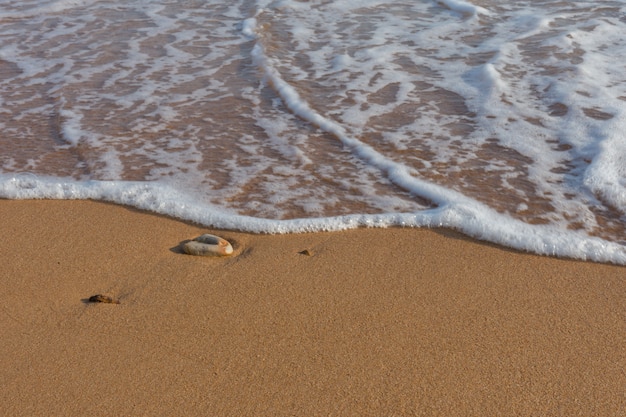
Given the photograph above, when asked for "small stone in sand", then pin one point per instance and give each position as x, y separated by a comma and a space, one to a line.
208, 245
99, 298
306, 252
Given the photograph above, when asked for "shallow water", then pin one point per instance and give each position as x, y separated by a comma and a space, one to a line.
502, 120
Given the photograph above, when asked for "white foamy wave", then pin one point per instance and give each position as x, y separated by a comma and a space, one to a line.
606, 175
471, 219
499, 119
248, 26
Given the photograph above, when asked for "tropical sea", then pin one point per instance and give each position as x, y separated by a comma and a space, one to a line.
504, 120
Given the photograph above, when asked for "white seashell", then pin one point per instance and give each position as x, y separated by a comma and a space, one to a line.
208, 245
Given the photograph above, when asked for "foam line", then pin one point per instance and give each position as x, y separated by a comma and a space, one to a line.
482, 224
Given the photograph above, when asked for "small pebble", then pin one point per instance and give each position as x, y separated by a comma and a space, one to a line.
306, 252
208, 245
99, 298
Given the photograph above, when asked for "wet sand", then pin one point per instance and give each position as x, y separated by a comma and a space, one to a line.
380, 322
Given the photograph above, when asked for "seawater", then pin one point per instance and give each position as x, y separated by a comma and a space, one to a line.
503, 120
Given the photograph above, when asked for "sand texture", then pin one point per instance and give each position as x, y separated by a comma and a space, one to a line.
371, 322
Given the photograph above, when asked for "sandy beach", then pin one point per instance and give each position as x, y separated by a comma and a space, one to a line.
370, 322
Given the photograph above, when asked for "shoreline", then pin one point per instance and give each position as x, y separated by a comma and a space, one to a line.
371, 322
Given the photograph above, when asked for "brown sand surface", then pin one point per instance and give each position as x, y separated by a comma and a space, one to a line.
394, 322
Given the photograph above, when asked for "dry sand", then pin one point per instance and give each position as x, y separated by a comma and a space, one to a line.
394, 322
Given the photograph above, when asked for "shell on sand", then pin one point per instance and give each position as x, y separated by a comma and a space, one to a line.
208, 245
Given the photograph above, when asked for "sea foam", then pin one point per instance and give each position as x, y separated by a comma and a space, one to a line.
500, 120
